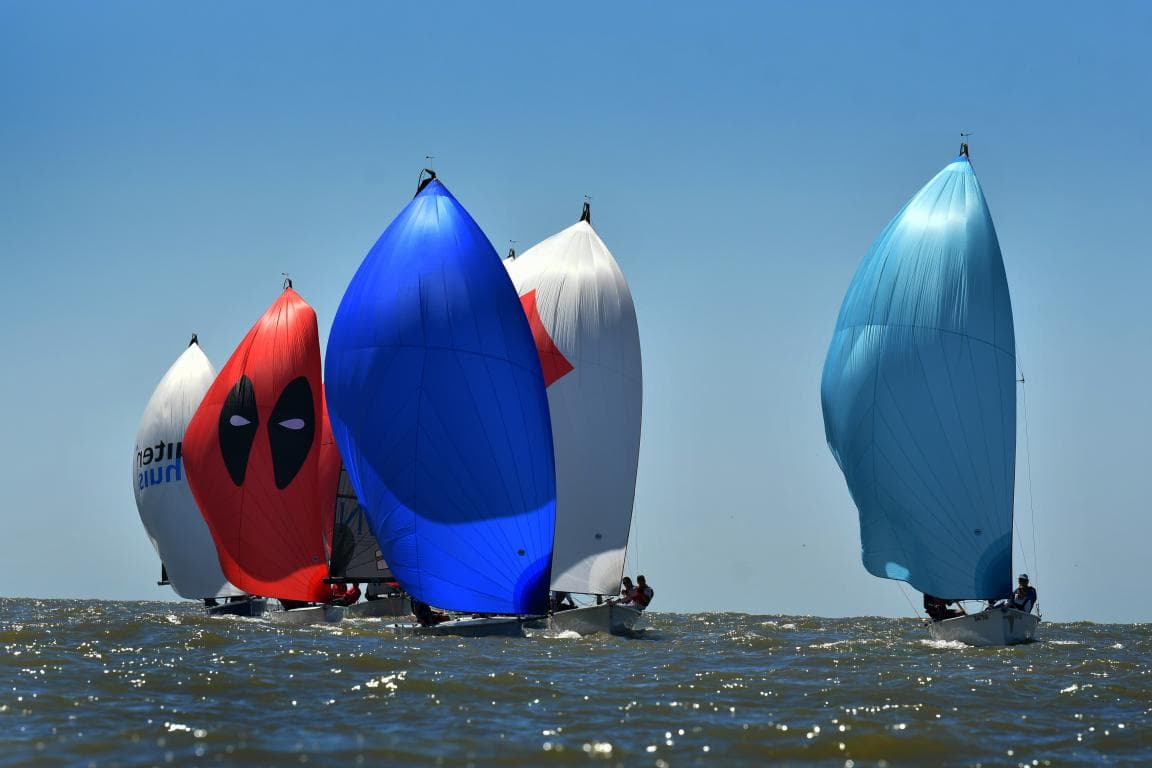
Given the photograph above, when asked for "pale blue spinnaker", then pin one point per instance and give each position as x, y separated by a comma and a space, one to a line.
919, 395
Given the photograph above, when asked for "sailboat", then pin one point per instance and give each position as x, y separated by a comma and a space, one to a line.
163, 499
919, 399
254, 461
438, 407
584, 324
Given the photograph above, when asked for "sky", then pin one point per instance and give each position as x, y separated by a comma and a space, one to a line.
161, 165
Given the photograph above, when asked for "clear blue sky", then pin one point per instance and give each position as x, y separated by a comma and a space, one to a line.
161, 165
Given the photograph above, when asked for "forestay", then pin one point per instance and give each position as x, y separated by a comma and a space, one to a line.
165, 503
919, 395
438, 406
584, 323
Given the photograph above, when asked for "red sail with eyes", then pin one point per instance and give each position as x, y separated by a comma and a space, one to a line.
254, 461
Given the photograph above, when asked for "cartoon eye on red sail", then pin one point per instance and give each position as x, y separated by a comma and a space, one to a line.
254, 461
238, 424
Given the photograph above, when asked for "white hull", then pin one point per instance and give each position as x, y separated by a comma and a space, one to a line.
606, 618
393, 605
475, 627
995, 626
314, 614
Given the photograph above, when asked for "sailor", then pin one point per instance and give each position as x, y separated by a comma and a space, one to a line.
344, 594
352, 594
626, 590
425, 615
1024, 598
643, 594
562, 601
938, 610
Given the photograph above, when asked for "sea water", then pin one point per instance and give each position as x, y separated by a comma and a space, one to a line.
135, 684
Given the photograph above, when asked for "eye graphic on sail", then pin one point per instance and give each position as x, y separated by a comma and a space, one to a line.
254, 458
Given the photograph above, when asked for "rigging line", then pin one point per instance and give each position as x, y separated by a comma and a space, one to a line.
911, 605
1028, 461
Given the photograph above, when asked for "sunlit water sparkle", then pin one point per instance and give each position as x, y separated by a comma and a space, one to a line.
113, 683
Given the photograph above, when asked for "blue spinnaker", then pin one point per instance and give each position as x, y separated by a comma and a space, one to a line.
919, 395
438, 407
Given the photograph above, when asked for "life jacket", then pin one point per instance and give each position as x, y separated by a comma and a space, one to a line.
642, 596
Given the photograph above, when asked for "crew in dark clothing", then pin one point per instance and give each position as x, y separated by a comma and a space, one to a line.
643, 594
425, 615
1024, 598
938, 610
562, 601
344, 594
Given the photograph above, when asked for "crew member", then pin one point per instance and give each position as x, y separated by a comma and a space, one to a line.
1024, 598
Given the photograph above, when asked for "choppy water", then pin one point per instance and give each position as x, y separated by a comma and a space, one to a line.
107, 683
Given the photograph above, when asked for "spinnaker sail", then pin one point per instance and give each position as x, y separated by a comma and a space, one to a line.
253, 456
163, 498
438, 406
919, 395
584, 322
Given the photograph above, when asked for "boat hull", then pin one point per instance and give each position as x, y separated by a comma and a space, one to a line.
995, 626
314, 614
606, 618
472, 627
253, 607
393, 605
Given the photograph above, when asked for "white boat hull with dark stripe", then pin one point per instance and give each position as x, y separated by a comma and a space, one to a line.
995, 626
392, 605
500, 626
606, 618
314, 614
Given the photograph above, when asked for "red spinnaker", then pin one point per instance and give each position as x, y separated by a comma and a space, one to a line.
253, 457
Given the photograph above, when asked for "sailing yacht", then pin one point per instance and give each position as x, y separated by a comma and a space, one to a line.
438, 407
919, 400
255, 466
165, 503
583, 321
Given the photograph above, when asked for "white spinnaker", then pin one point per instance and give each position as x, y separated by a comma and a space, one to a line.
584, 304
167, 509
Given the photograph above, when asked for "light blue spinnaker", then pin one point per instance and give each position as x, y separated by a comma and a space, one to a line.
438, 407
919, 395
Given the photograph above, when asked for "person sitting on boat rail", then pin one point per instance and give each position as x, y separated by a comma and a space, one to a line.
938, 610
426, 615
562, 601
626, 590
1024, 598
643, 593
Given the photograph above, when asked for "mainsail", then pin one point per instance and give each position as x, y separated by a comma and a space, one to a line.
438, 406
919, 395
584, 323
166, 505
253, 456
354, 554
